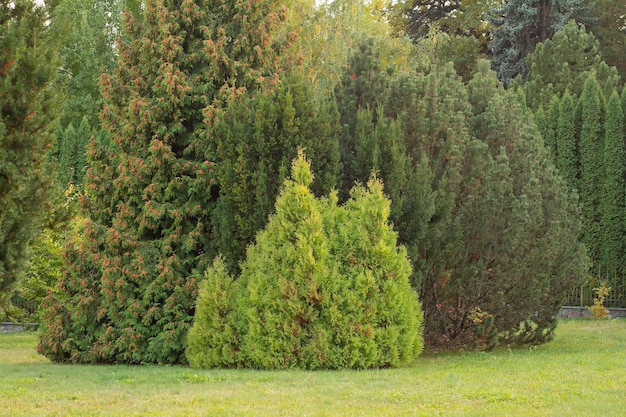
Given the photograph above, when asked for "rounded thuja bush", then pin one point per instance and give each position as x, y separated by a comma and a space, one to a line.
323, 287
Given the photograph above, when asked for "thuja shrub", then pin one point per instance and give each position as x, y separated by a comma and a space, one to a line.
323, 287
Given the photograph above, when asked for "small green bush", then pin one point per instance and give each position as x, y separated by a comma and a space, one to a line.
323, 286
598, 310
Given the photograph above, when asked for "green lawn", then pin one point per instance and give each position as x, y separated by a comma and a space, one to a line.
581, 373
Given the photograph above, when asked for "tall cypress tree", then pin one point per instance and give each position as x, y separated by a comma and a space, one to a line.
28, 107
152, 190
591, 148
613, 204
551, 132
72, 153
623, 99
567, 153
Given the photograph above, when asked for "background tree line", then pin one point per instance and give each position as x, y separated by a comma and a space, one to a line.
178, 124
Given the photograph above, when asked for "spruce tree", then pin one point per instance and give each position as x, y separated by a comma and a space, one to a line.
519, 25
152, 189
28, 102
591, 149
566, 143
613, 204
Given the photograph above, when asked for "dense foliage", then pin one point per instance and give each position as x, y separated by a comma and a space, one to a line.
191, 123
323, 286
152, 191
519, 25
28, 193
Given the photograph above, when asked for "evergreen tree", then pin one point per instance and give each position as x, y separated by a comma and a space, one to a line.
609, 29
256, 141
550, 133
513, 259
613, 202
361, 88
322, 287
28, 102
623, 99
519, 25
73, 153
567, 150
564, 62
591, 149
152, 188
532, 202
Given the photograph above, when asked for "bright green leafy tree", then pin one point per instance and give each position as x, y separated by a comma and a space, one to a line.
322, 287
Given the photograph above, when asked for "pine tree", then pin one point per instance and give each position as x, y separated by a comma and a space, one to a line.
591, 149
519, 25
613, 202
513, 259
27, 189
564, 62
151, 189
567, 150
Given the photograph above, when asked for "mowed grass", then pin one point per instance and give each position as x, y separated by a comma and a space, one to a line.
581, 373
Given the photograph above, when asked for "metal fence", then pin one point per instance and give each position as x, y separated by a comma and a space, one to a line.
584, 295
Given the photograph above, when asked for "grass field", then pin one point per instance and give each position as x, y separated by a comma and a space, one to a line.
581, 373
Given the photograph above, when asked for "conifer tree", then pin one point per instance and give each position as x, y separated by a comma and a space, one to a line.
551, 131
613, 204
564, 62
566, 143
519, 25
623, 100
73, 153
256, 140
28, 104
323, 286
152, 190
361, 88
591, 149
512, 260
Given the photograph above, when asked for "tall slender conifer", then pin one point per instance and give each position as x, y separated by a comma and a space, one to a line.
613, 204
591, 148
567, 158
152, 190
